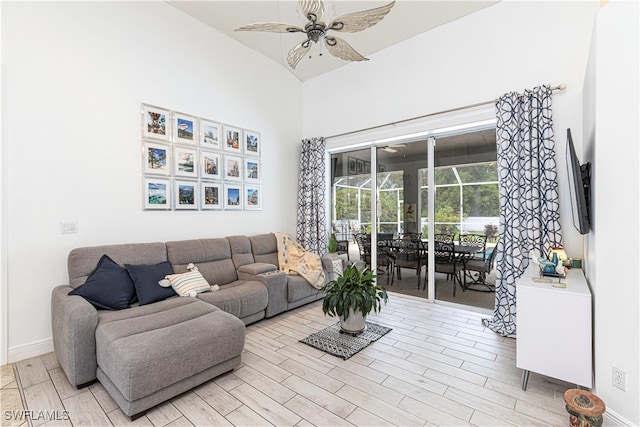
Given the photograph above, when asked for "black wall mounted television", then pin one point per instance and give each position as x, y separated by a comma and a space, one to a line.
580, 188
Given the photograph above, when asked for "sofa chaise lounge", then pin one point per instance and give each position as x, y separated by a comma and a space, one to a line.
149, 353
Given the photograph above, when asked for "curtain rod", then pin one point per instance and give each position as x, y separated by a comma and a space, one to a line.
561, 86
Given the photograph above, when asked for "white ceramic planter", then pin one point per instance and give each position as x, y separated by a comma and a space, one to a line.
354, 324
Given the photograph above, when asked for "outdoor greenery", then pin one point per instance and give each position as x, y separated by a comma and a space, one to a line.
346, 205
478, 183
355, 289
332, 244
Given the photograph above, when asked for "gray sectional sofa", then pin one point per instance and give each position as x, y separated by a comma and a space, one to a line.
148, 353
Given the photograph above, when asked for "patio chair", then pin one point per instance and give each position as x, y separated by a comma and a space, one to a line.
384, 258
443, 238
476, 240
450, 262
343, 248
408, 254
477, 270
343, 244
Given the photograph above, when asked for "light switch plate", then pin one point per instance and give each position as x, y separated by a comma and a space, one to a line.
68, 227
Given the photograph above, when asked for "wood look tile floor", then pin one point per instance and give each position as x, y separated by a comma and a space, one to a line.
438, 366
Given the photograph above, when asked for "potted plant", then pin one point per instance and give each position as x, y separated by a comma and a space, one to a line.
352, 296
332, 245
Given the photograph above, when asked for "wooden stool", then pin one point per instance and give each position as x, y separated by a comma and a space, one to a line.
585, 409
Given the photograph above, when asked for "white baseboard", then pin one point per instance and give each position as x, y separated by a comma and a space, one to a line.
612, 418
27, 351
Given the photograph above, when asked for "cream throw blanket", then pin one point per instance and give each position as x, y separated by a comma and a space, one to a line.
294, 259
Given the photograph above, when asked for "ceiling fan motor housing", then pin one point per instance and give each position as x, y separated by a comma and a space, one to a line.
316, 31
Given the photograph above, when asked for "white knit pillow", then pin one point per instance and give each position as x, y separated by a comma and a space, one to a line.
188, 284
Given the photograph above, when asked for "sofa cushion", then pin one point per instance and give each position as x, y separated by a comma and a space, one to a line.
241, 298
241, 253
134, 352
298, 288
211, 256
82, 261
186, 283
146, 278
265, 248
108, 286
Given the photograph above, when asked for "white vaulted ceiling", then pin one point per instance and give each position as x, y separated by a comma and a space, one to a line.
406, 19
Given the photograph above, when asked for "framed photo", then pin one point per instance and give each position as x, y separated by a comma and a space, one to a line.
210, 166
232, 137
211, 195
210, 134
367, 167
233, 168
156, 123
410, 212
156, 158
185, 128
186, 194
351, 165
251, 143
252, 197
251, 170
185, 162
157, 193
233, 196
359, 167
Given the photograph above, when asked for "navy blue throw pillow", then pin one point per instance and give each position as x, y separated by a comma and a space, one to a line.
145, 279
108, 286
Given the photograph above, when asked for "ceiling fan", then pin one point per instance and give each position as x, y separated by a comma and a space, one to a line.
316, 30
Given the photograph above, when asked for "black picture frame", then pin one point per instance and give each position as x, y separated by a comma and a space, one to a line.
351, 165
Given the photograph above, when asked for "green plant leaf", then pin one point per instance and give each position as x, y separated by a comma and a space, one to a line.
354, 289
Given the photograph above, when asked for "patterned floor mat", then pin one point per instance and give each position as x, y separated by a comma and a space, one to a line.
331, 340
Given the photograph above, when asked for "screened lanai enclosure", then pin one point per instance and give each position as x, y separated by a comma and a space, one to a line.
466, 201
384, 191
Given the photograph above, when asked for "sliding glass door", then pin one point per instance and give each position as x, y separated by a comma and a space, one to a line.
351, 197
466, 202
422, 185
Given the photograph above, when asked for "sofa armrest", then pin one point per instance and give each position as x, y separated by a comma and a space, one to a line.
276, 283
73, 323
330, 267
257, 268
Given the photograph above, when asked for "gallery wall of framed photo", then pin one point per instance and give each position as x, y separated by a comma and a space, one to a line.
195, 163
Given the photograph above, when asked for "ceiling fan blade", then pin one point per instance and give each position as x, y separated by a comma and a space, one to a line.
297, 52
358, 21
315, 7
271, 27
343, 50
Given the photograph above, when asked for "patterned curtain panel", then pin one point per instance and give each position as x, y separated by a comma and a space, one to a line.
529, 207
311, 232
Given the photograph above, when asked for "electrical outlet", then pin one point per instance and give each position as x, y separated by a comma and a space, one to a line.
619, 378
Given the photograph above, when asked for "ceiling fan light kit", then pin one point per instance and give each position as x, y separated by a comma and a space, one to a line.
316, 30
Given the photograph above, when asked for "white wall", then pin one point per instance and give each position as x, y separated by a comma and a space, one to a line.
614, 241
76, 73
4, 318
474, 59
